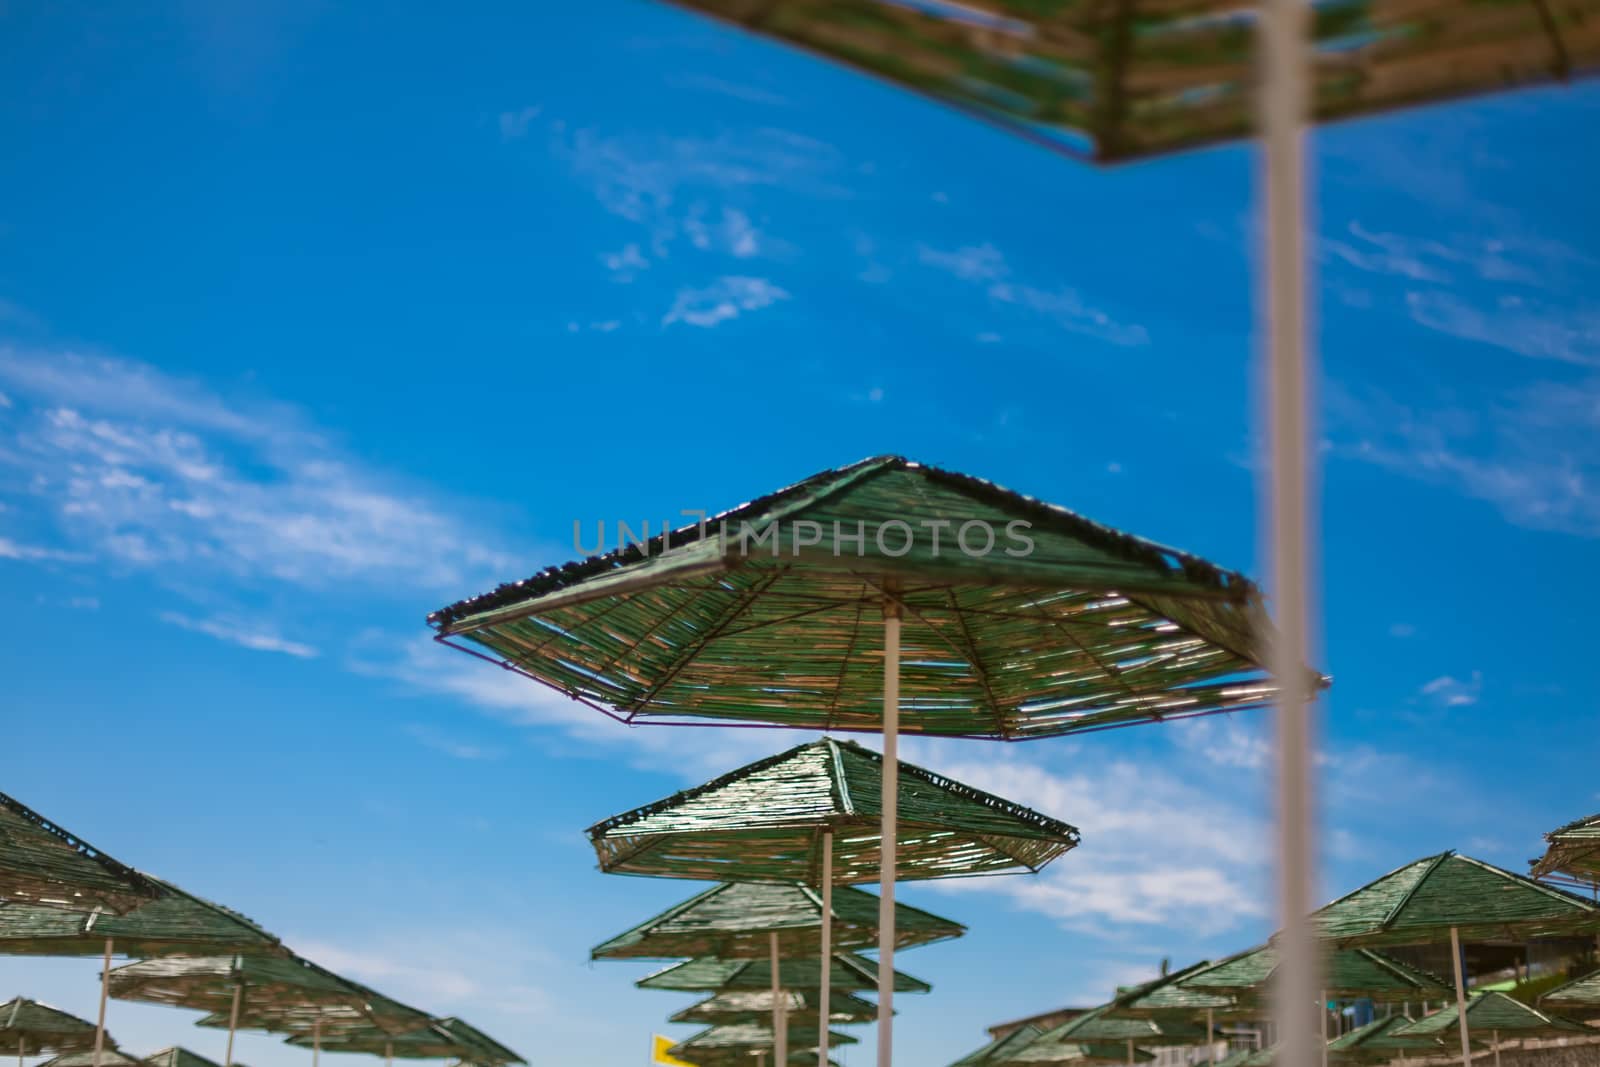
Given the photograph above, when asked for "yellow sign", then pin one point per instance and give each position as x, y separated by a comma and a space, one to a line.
659, 1052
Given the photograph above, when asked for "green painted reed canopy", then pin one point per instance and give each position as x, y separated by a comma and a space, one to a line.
772, 613
109, 1057
849, 974
1356, 972
996, 1051
738, 919
42, 863
275, 994
1105, 1025
752, 1037
1383, 1039
28, 1027
175, 923
1043, 1051
755, 1006
1145, 77
1581, 995
1496, 1012
1169, 998
179, 1057
765, 821
1420, 902
441, 1039
1573, 855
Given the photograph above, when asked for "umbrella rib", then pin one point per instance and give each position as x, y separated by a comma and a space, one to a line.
844, 667
628, 650
688, 653
1110, 671
973, 658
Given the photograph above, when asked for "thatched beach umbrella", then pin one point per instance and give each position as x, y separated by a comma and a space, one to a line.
1581, 996
105, 1057
739, 919
177, 1057
444, 1038
28, 1028
1001, 617
42, 863
848, 974
1042, 1053
999, 1048
1573, 855
174, 923
1496, 1013
1455, 897
269, 988
755, 1006
1106, 1028
1382, 1040
814, 815
739, 1041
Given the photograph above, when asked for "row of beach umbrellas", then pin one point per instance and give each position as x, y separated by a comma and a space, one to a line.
60, 896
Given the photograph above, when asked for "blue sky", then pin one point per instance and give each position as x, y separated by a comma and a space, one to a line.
312, 321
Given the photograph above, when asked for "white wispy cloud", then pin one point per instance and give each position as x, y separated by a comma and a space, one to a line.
26, 553
986, 266
724, 299
1451, 692
446, 969
1528, 327
147, 471
256, 637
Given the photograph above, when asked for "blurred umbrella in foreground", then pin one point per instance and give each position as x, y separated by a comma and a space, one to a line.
1454, 897
821, 606
28, 1028
41, 863
266, 988
175, 923
813, 815
1573, 855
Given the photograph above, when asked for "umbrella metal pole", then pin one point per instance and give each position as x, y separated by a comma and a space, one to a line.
826, 983
1130, 1052
1211, 1038
1286, 505
233, 1022
1322, 1010
22, 1049
388, 1054
891, 815
780, 1029
1494, 1038
105, 985
316, 1041
1461, 997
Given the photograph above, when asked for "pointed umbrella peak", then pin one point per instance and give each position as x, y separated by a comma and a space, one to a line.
28, 1026
1495, 1011
43, 863
763, 823
849, 973
767, 613
737, 919
177, 1056
109, 1057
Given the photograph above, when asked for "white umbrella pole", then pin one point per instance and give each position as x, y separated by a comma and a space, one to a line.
1494, 1036
1322, 1010
1130, 1053
1211, 1038
1461, 997
105, 986
1286, 507
22, 1049
780, 1029
826, 990
886, 856
316, 1041
233, 1022
388, 1054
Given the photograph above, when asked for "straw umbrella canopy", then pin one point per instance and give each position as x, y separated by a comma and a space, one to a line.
1055, 1052
443, 1038
42, 863
105, 1057
267, 987
1356, 972
738, 919
1170, 1002
1456, 897
1573, 855
28, 1028
754, 1006
177, 1057
1581, 996
814, 815
848, 974
1381, 1040
1105, 1031
998, 1049
1026, 620
174, 923
1498, 1014
744, 1039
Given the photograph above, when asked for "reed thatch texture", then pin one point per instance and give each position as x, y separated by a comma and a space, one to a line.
447, 1038
175, 923
179, 1057
1142, 77
109, 1057
996, 1051
1580, 996
275, 994
1420, 902
1382, 1040
1490, 1012
1355, 972
755, 1006
42, 863
738, 919
1042, 1052
849, 974
27, 1026
752, 1037
1573, 854
771, 615
765, 821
